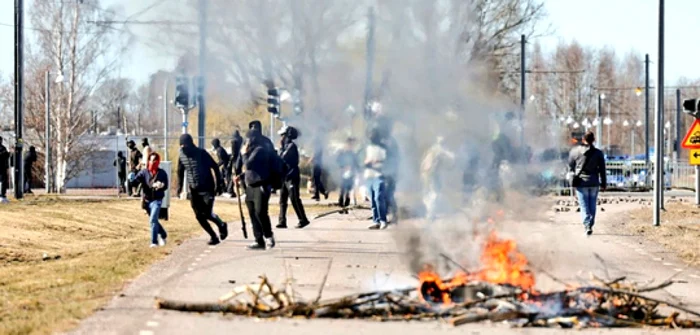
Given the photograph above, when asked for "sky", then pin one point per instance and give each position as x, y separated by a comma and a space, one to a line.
625, 25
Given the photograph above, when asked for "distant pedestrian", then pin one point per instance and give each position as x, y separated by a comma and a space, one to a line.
4, 168
434, 170
154, 182
147, 150
348, 165
29, 159
317, 170
588, 176
391, 174
222, 158
204, 182
135, 157
255, 173
290, 190
375, 155
120, 163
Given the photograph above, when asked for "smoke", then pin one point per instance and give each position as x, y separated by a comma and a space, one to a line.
433, 74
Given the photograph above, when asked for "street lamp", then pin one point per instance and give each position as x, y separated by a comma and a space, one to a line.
569, 120
625, 124
47, 132
576, 125
596, 122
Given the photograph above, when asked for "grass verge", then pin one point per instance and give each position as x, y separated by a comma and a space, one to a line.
60, 260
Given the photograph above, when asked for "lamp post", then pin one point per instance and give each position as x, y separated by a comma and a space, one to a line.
599, 115
608, 122
47, 132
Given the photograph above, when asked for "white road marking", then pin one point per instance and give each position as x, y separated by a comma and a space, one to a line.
194, 264
678, 270
190, 269
212, 247
669, 264
658, 259
152, 324
197, 259
694, 276
207, 251
145, 332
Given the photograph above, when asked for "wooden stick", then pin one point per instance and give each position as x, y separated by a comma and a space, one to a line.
323, 282
632, 294
201, 307
492, 316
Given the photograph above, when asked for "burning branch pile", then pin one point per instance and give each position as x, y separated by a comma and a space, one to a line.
503, 291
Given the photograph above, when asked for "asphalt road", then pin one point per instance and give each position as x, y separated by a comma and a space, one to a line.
364, 260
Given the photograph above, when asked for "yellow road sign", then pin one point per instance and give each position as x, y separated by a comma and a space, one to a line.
692, 138
695, 157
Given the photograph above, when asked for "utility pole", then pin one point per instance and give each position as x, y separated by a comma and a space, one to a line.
19, 98
659, 182
202, 69
599, 116
647, 121
165, 120
370, 63
47, 134
677, 140
522, 88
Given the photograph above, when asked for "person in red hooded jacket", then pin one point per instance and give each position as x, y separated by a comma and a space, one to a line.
154, 182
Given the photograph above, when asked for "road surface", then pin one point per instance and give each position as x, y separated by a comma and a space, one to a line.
365, 260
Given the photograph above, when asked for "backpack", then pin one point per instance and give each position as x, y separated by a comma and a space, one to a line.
278, 171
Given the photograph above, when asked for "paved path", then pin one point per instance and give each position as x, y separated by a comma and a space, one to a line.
366, 260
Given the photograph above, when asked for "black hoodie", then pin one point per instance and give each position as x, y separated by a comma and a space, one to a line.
221, 153
4, 159
198, 165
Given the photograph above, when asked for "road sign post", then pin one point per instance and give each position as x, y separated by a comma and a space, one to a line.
692, 142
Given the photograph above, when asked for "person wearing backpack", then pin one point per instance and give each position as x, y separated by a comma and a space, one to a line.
256, 160
290, 188
154, 183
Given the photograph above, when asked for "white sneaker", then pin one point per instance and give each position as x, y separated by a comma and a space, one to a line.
270, 242
154, 245
383, 225
161, 241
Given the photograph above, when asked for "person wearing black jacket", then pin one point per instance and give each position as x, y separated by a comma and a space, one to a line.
203, 187
588, 176
4, 167
317, 170
29, 158
236, 144
257, 160
222, 158
154, 183
135, 157
264, 141
290, 190
120, 163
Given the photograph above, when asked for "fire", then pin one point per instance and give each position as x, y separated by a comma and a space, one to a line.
502, 264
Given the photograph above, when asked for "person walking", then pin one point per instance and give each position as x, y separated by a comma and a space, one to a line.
135, 157
120, 163
289, 152
434, 171
29, 158
147, 150
204, 182
4, 168
348, 165
588, 177
154, 182
236, 144
375, 155
256, 159
317, 170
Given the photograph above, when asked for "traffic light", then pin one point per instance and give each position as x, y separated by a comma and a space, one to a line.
273, 101
296, 101
690, 107
182, 92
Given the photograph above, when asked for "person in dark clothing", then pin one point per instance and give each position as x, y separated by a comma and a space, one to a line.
236, 144
290, 154
317, 170
203, 187
29, 158
588, 176
135, 157
222, 158
4, 167
256, 160
348, 164
154, 183
391, 175
120, 163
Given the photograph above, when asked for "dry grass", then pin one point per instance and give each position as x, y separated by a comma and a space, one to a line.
679, 231
93, 249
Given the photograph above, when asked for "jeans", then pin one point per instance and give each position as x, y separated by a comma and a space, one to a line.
156, 227
377, 189
588, 200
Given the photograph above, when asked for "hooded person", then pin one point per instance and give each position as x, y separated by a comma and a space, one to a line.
29, 159
263, 141
256, 164
154, 182
236, 144
289, 152
135, 157
348, 165
4, 168
222, 159
317, 169
204, 182
434, 169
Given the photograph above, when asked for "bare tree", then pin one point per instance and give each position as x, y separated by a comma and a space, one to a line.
85, 54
